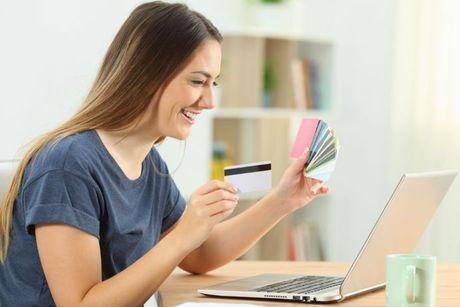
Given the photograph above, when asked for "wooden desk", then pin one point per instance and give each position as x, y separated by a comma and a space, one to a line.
181, 287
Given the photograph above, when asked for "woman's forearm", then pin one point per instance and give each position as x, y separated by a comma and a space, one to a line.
134, 285
232, 238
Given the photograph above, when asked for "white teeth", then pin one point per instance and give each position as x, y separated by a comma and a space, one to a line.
189, 114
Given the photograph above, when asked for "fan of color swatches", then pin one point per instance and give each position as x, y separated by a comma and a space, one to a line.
323, 145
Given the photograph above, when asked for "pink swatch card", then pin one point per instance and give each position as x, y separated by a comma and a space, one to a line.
304, 137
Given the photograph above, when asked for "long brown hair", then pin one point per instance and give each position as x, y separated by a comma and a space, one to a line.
152, 46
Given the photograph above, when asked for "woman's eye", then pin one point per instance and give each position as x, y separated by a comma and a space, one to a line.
198, 82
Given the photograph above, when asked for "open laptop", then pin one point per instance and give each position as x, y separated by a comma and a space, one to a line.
398, 230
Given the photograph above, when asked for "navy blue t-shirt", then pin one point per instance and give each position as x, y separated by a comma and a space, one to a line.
78, 183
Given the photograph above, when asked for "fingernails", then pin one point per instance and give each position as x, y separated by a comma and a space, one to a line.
235, 189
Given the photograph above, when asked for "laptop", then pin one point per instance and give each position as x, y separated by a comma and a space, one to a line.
397, 231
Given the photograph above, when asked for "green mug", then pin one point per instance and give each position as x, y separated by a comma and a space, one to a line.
411, 280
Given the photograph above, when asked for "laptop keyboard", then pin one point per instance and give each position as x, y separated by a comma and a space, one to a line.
302, 285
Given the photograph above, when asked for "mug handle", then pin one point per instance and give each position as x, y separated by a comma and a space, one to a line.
411, 271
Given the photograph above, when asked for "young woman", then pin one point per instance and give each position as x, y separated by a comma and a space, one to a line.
92, 216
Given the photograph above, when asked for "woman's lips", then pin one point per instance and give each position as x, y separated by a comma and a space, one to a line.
189, 116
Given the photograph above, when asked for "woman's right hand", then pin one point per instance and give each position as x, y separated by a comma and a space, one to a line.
207, 206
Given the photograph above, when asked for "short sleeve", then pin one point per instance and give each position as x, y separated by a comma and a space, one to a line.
59, 196
174, 207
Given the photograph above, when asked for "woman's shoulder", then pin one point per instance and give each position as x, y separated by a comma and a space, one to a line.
74, 154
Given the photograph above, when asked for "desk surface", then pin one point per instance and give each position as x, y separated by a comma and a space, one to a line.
181, 287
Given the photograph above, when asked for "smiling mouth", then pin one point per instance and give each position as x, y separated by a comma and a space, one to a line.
189, 115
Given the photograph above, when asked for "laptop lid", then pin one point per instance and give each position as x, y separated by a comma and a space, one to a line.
398, 229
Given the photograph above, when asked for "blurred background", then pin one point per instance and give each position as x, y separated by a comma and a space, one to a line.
383, 73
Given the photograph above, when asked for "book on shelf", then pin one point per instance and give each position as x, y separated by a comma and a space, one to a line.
305, 84
300, 95
303, 242
315, 84
220, 159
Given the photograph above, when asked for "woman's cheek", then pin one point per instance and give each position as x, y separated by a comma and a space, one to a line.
192, 95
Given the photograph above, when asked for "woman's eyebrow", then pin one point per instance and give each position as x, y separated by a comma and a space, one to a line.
204, 73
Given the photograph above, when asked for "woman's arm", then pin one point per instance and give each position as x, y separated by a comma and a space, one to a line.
71, 261
232, 238
71, 258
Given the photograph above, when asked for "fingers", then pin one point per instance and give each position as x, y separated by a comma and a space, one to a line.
311, 182
218, 195
324, 190
215, 185
302, 159
319, 188
221, 206
219, 217
215, 201
299, 164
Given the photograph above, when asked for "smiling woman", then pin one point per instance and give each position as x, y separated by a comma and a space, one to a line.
92, 216
187, 95
91, 187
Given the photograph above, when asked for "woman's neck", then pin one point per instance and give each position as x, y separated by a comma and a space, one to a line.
129, 148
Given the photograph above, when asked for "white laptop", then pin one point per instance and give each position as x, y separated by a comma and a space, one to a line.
398, 230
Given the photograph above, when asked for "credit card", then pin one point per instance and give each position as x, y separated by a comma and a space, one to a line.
252, 177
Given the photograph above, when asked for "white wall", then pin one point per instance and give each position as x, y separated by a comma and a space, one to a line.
364, 32
49, 55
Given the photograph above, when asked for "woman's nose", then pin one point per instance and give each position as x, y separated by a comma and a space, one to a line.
207, 99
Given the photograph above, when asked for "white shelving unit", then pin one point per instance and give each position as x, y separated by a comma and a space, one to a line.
359, 37
278, 33
269, 113
254, 132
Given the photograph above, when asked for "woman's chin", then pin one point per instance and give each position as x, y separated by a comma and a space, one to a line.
181, 135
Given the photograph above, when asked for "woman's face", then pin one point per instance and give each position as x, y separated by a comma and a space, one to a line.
189, 93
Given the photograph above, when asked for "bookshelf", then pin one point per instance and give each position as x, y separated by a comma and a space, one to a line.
268, 83
358, 50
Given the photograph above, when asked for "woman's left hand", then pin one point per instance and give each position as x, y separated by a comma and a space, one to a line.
294, 189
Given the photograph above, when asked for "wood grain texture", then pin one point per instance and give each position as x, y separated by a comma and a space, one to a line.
181, 287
